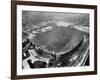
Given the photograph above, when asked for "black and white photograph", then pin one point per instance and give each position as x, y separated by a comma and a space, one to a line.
54, 39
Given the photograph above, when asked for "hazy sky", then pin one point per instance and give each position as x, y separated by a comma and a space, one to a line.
56, 15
